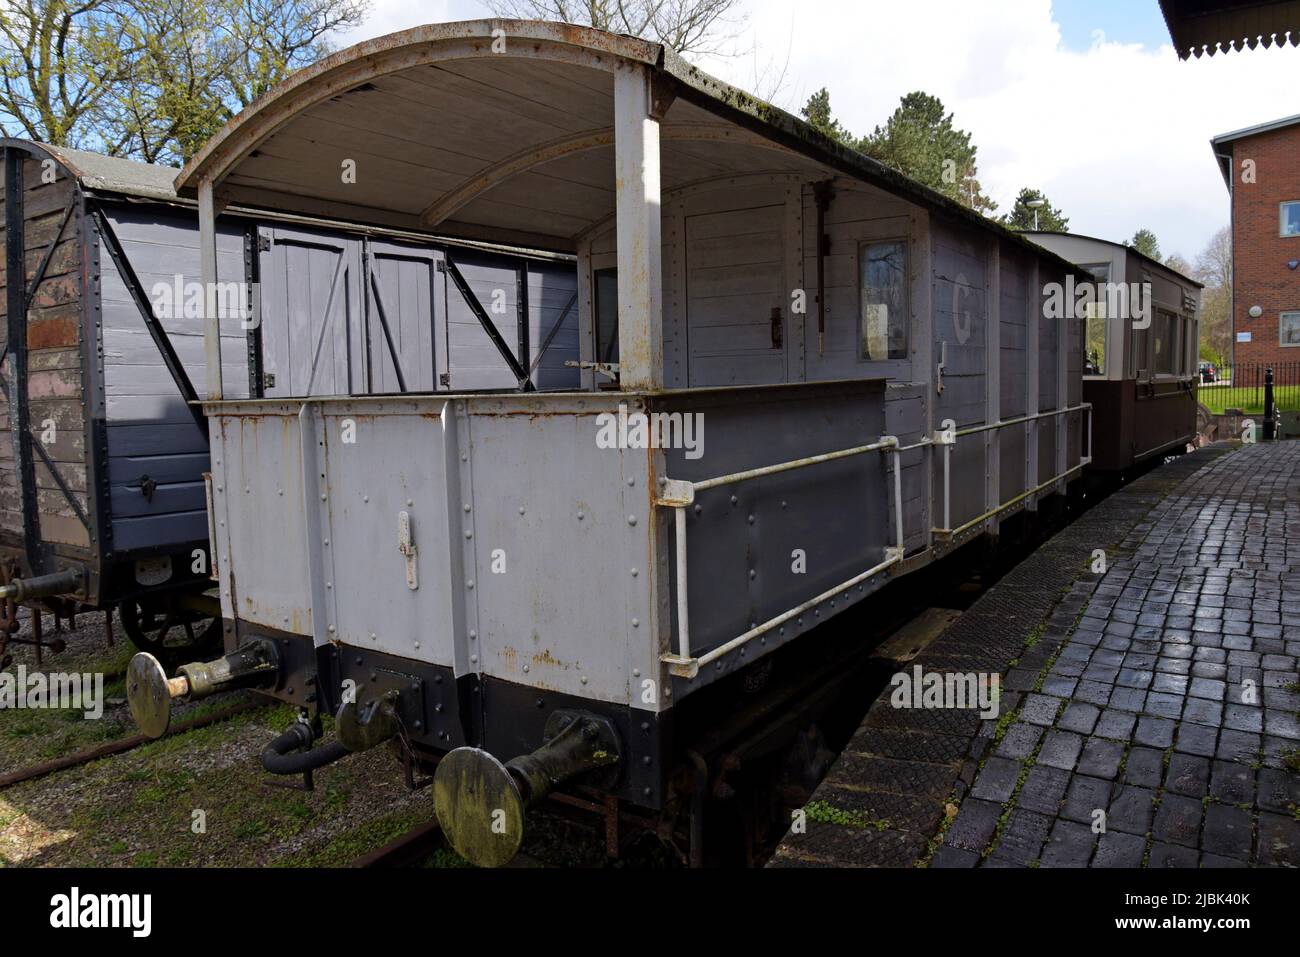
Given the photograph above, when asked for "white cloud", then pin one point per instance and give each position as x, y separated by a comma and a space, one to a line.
1117, 135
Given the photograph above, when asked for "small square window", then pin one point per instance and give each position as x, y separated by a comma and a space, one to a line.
884, 316
1289, 329
1291, 218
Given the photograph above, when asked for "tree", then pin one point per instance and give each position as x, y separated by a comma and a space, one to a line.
58, 62
151, 79
1050, 218
1144, 241
920, 141
817, 111
687, 26
1180, 265
1214, 268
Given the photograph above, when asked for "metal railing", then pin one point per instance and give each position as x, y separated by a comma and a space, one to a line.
1241, 386
947, 439
679, 494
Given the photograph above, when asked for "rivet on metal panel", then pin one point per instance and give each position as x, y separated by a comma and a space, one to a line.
326, 542
470, 584
526, 669
734, 500
521, 510
331, 629
584, 679
329, 584
636, 622
322, 496
631, 481
473, 635
698, 509
752, 575
410, 502
631, 519
464, 457
279, 491
636, 672
634, 573
751, 520
466, 508
468, 533
581, 516
783, 504
473, 659
365, 498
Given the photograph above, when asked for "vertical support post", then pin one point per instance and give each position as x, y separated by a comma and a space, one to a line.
1034, 313
640, 266
1062, 396
1270, 407
208, 276
683, 600
993, 385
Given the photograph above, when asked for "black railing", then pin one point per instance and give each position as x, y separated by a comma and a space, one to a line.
1242, 386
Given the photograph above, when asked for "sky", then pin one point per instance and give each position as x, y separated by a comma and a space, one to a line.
1082, 99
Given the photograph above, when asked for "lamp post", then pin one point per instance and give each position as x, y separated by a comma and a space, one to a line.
1036, 205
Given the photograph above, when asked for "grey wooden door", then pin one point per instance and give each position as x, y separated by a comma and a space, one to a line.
312, 317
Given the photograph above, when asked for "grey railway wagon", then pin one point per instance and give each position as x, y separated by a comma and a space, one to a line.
521, 582
101, 486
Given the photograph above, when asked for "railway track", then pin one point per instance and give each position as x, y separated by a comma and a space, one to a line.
119, 746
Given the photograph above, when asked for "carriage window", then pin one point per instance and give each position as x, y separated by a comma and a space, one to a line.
605, 282
883, 321
1291, 218
1094, 356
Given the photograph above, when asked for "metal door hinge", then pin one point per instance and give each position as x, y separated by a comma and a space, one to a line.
406, 547
445, 379
263, 243
268, 380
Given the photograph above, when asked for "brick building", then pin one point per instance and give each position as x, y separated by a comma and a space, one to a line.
1261, 167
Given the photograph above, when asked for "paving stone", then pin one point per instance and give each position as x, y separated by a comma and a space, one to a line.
948, 856
1043, 790
1093, 692
1178, 821
1130, 810
1068, 845
1022, 836
1196, 739
1019, 741
1188, 774
1201, 711
1083, 796
1116, 849
1170, 855
1238, 746
1060, 750
1040, 709
974, 826
997, 780
1279, 790
1154, 732
1229, 831
1101, 758
1079, 716
1144, 767
1279, 841
1164, 705
1240, 717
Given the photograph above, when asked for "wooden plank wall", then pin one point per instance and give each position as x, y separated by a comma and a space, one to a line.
55, 407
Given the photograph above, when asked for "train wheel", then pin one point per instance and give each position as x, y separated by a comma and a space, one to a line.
171, 633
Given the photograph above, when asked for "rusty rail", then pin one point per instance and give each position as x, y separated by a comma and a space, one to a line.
121, 745
405, 849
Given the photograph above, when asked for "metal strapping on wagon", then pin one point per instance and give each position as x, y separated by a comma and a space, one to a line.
679, 494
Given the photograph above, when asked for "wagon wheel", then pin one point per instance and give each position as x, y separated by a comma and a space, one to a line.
172, 634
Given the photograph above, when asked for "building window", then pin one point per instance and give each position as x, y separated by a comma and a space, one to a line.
882, 272
606, 289
1291, 218
1289, 329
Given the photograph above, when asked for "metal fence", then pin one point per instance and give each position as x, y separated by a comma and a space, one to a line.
1242, 386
